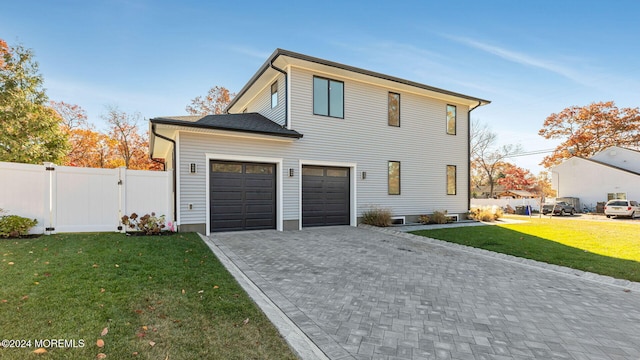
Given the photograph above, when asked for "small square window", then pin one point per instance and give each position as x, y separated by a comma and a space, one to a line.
274, 94
451, 119
394, 109
451, 180
394, 178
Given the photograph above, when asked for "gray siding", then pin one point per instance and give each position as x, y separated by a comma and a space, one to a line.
262, 103
362, 137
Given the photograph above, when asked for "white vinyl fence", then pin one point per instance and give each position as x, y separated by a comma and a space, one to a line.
534, 203
72, 199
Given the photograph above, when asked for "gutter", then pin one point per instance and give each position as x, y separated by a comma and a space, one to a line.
286, 104
173, 150
469, 154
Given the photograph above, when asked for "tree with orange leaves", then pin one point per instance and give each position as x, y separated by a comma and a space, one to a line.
513, 177
214, 103
131, 147
589, 129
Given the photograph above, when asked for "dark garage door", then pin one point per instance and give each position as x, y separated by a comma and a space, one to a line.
325, 196
243, 196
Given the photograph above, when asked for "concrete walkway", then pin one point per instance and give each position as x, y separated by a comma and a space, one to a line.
367, 293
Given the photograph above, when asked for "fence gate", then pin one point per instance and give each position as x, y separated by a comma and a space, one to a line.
72, 199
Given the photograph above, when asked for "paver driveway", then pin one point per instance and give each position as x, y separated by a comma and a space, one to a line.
366, 294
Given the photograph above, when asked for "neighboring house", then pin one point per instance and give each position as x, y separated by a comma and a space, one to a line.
613, 173
515, 194
310, 142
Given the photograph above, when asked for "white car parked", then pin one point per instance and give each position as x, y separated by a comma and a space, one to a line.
622, 208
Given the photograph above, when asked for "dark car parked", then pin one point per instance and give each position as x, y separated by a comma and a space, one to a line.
560, 208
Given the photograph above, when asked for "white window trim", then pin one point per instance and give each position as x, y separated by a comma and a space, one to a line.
242, 158
353, 221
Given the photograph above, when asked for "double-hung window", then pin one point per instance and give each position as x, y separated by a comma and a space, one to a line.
451, 119
328, 97
394, 109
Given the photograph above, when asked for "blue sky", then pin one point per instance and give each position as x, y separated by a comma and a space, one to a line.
530, 58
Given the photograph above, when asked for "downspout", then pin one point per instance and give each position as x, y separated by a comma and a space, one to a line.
173, 155
286, 105
469, 154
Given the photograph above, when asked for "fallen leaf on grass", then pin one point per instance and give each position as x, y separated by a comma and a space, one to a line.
183, 292
216, 287
117, 265
36, 283
200, 292
141, 335
25, 297
11, 263
135, 353
152, 343
245, 322
95, 265
101, 356
40, 351
4, 300
139, 311
104, 332
100, 343
145, 328
102, 290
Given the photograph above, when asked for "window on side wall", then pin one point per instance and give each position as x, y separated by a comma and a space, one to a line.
274, 94
394, 178
451, 119
328, 97
394, 109
451, 180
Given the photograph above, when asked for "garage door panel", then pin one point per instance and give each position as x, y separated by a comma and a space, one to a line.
243, 196
325, 196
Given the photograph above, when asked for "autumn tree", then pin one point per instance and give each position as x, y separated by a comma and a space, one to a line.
31, 131
487, 158
131, 147
87, 147
213, 103
513, 177
589, 129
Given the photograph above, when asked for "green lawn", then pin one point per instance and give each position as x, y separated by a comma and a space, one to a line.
605, 247
162, 297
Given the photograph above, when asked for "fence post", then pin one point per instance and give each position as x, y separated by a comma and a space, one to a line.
122, 196
50, 199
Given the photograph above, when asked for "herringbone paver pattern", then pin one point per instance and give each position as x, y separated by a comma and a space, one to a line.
365, 294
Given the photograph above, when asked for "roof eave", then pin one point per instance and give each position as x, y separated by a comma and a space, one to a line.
295, 135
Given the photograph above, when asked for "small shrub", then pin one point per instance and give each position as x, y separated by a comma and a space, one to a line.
377, 217
487, 213
15, 226
424, 219
439, 217
148, 224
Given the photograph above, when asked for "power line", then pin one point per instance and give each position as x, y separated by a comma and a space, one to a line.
534, 152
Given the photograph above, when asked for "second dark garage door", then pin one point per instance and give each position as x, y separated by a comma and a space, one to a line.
325, 196
243, 196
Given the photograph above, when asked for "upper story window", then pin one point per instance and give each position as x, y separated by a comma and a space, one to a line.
394, 109
451, 119
451, 180
328, 97
274, 94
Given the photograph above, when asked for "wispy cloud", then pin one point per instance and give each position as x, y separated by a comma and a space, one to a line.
523, 59
252, 52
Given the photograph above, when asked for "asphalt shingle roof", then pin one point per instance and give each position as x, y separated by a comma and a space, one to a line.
245, 122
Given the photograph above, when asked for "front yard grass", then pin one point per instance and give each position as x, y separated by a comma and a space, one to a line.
602, 247
161, 297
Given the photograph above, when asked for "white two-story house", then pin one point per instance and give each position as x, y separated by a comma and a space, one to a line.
311, 142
